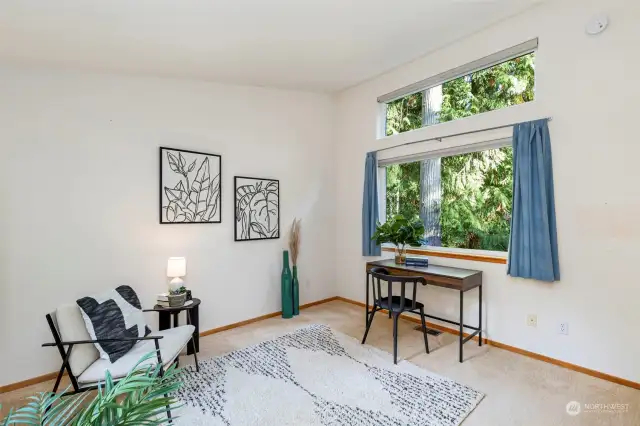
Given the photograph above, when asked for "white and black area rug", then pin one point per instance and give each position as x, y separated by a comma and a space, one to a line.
317, 376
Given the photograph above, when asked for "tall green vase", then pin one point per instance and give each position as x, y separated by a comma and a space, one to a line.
296, 291
286, 287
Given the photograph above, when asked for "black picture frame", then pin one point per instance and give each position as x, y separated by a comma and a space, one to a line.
187, 208
243, 188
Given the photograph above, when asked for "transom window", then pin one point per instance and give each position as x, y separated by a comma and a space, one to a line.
503, 79
463, 195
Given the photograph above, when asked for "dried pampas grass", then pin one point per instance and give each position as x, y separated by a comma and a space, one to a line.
294, 240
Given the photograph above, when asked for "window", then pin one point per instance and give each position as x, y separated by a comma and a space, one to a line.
501, 80
464, 200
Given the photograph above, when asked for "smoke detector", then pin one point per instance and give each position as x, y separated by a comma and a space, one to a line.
597, 24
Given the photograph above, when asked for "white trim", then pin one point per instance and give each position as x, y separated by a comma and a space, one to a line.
381, 130
466, 69
447, 152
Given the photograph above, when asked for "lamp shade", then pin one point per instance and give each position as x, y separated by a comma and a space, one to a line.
176, 267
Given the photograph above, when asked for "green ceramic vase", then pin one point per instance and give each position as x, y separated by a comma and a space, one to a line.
286, 287
296, 291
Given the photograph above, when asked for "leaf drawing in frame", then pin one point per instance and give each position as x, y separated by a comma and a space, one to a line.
257, 209
190, 187
177, 210
213, 199
200, 190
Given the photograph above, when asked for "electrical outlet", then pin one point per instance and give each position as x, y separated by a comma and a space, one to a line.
563, 328
532, 320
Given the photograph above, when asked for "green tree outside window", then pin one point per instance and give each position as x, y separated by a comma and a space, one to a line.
477, 187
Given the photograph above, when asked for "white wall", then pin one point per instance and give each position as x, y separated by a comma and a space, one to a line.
590, 86
78, 200
79, 197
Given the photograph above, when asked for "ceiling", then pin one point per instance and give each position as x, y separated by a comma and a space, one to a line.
322, 45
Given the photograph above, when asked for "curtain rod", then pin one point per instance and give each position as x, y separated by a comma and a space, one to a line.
439, 138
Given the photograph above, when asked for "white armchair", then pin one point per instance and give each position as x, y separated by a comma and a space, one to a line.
81, 359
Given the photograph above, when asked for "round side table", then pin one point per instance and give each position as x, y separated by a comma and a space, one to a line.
191, 309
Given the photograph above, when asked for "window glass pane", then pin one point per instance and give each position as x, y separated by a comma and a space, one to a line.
404, 114
403, 190
509, 83
463, 200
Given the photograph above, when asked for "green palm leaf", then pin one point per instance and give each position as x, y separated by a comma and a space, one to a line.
141, 398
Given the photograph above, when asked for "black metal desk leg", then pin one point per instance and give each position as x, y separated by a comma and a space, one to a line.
366, 303
480, 315
461, 323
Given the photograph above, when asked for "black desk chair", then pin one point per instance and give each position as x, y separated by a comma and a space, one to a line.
395, 304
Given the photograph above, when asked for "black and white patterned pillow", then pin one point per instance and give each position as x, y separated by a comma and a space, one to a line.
114, 314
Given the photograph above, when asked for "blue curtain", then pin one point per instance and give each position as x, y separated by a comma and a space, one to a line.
533, 246
370, 206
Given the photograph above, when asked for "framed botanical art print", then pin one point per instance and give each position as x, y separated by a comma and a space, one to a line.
257, 208
190, 186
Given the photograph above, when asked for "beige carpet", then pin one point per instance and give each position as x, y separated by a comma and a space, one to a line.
519, 390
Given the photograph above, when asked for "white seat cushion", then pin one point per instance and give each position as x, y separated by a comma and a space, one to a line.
71, 327
173, 341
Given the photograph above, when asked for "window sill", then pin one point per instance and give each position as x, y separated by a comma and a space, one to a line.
453, 255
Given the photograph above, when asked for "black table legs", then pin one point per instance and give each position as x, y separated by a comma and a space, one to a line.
164, 320
193, 318
193, 343
366, 303
478, 329
395, 336
480, 315
461, 324
164, 323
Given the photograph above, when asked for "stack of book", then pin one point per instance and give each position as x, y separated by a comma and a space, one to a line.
163, 299
417, 261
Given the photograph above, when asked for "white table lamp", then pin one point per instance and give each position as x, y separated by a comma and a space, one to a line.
176, 269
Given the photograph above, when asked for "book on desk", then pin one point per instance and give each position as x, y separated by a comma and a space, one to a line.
417, 261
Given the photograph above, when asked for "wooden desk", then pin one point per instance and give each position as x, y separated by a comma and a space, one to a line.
458, 279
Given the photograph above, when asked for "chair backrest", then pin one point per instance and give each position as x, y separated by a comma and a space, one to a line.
379, 273
68, 323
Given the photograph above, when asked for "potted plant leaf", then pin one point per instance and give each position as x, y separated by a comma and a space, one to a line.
401, 232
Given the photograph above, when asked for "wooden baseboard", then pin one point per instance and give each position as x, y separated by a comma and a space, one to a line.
539, 357
50, 376
24, 383
262, 317
574, 367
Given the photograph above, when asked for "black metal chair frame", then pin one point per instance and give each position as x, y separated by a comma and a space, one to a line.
65, 354
380, 273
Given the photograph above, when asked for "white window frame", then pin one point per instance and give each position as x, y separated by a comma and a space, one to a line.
461, 71
447, 152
